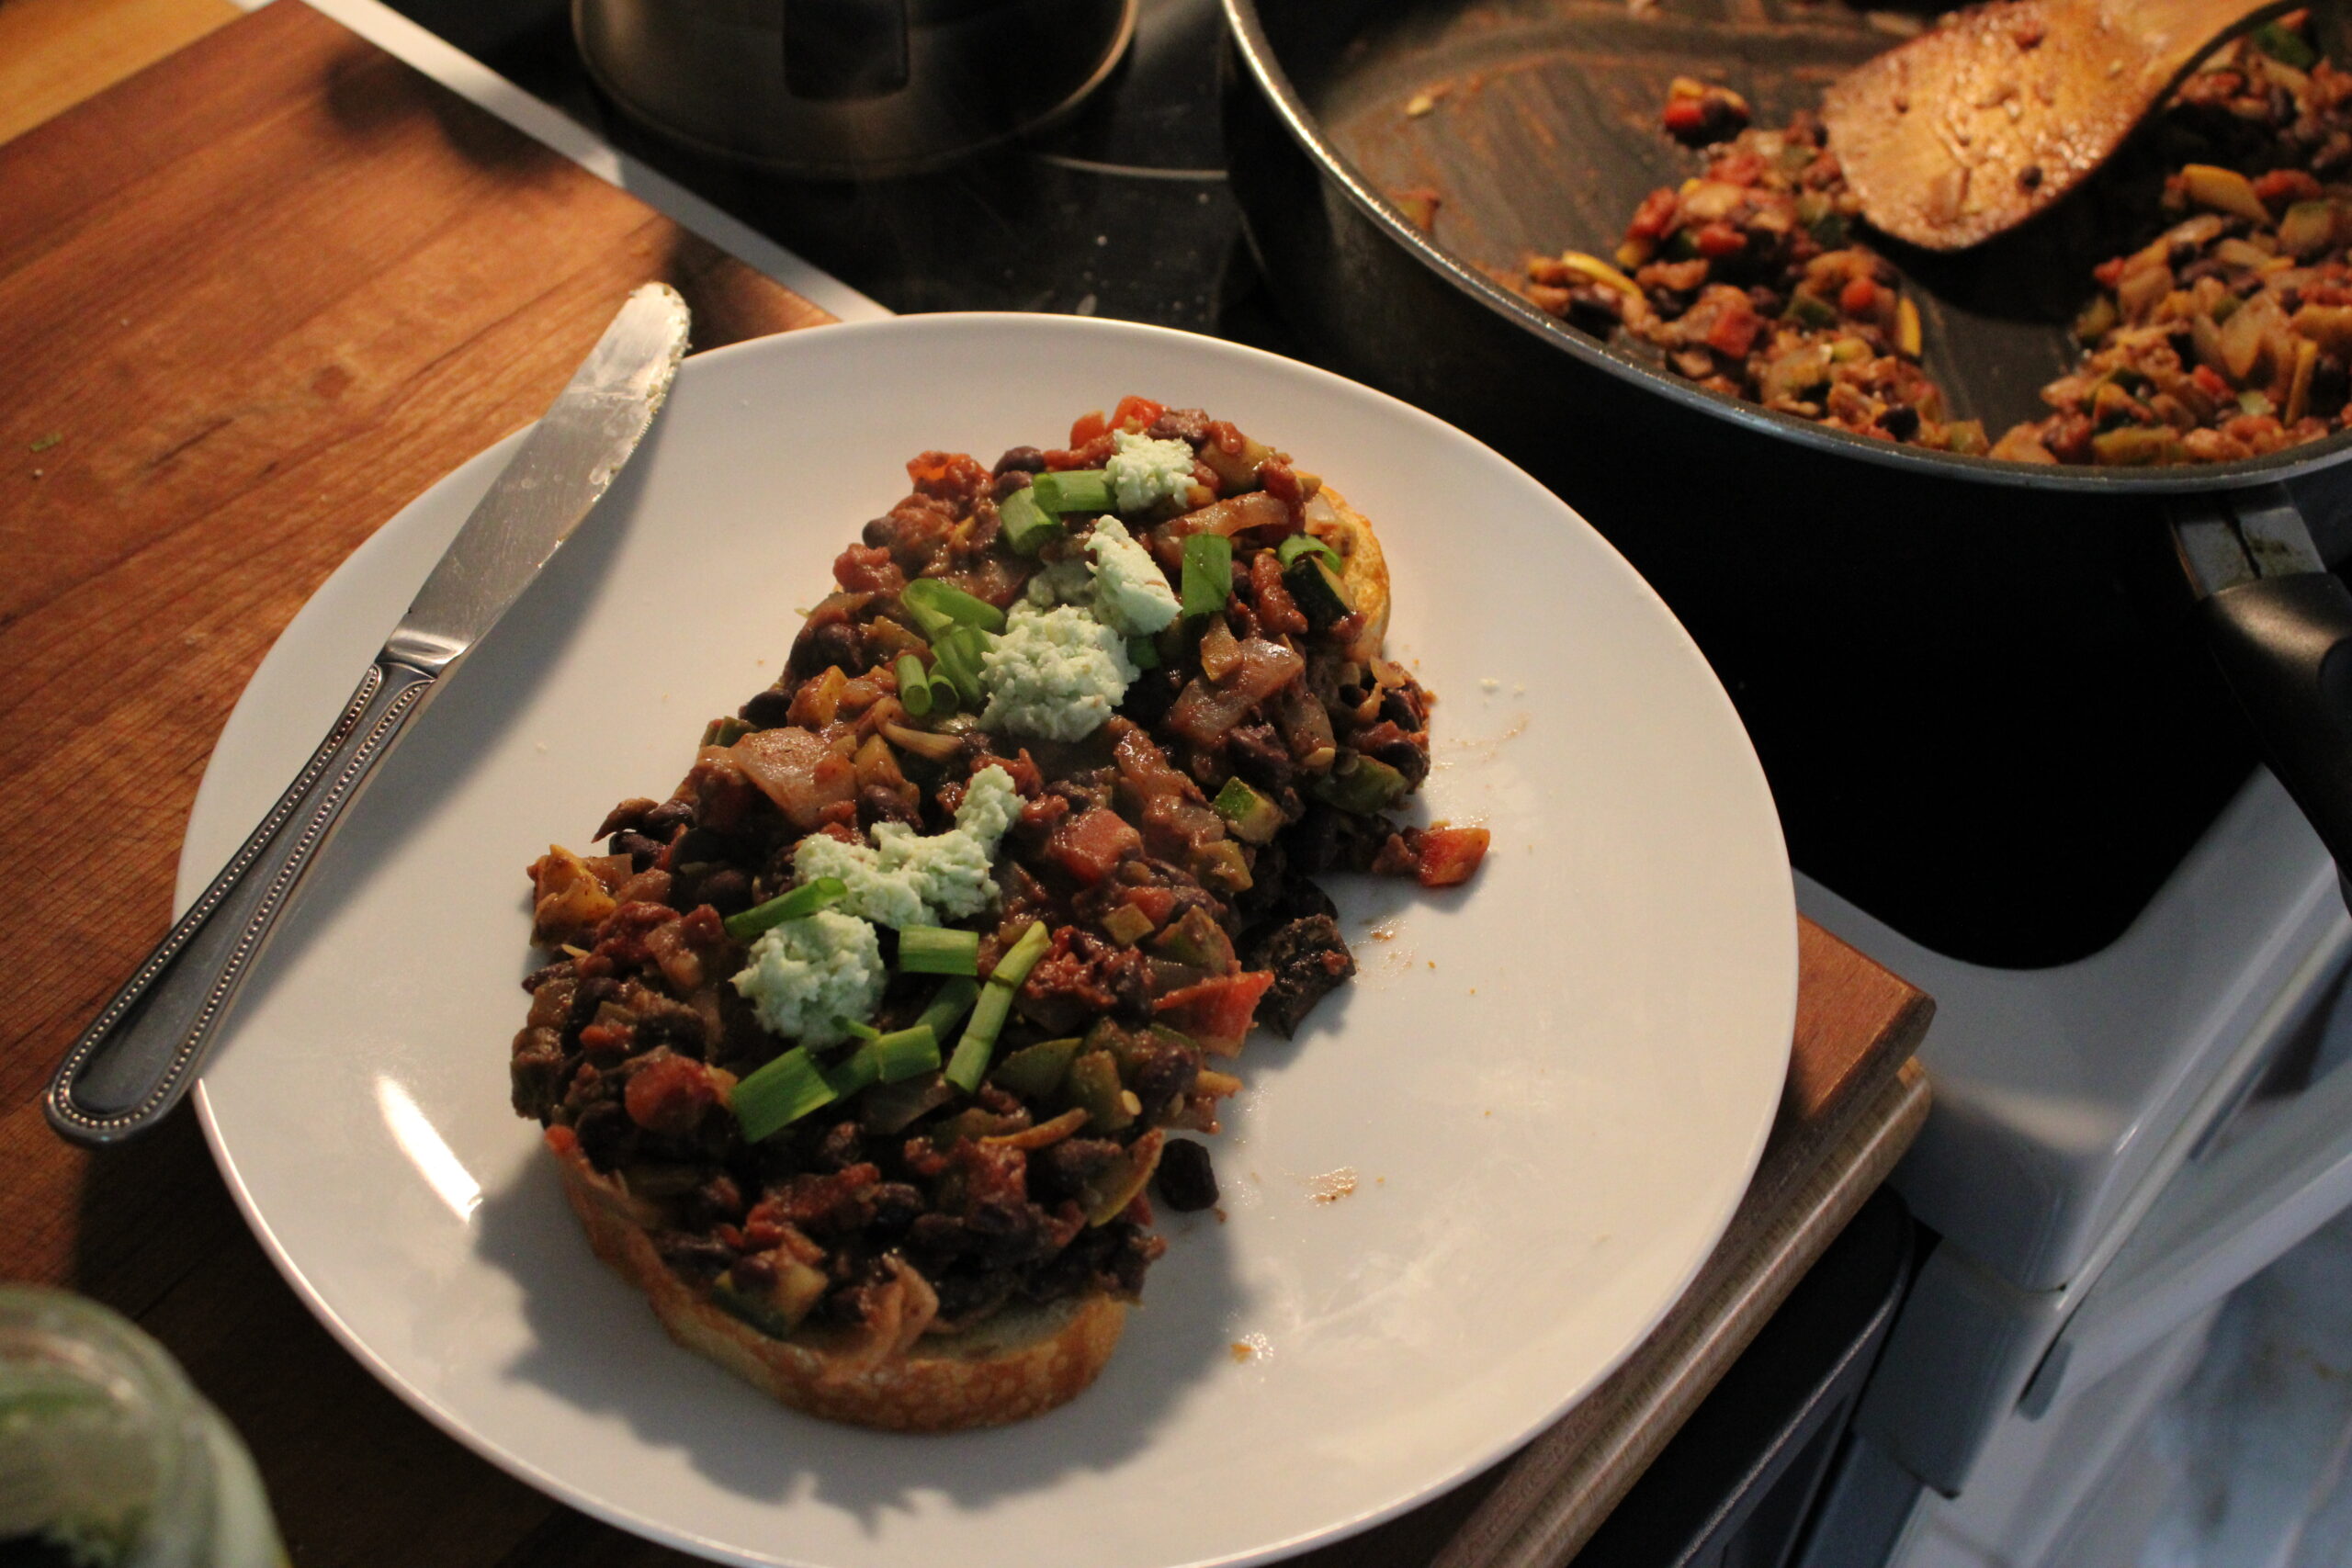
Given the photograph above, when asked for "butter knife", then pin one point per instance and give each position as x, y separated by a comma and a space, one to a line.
137, 1059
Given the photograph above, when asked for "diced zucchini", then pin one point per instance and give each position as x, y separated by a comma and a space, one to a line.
1362, 785
1321, 595
1252, 818
1035, 1072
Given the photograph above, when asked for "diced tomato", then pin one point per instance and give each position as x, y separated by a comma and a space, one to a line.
1859, 297
2108, 272
865, 569
1683, 117
667, 1095
2209, 381
1088, 427
1737, 169
1132, 413
1734, 332
1157, 904
1716, 241
1654, 216
1215, 1013
1450, 854
563, 1141
1090, 845
2280, 187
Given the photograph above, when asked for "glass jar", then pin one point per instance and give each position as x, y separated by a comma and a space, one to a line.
108, 1456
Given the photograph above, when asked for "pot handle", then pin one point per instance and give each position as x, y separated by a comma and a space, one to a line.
2281, 625
838, 51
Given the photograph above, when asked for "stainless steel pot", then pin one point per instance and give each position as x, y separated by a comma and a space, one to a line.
842, 88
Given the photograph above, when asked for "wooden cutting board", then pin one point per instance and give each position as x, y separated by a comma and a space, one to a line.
252, 301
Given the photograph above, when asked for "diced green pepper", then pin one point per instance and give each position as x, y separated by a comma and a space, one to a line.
1027, 526
1126, 925
798, 904
1072, 490
1208, 573
1362, 785
1035, 1072
2285, 45
1094, 1088
724, 731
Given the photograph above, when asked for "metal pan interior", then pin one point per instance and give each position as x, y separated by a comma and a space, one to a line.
1535, 121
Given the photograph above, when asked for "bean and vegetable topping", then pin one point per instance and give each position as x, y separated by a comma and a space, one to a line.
893, 1011
2225, 335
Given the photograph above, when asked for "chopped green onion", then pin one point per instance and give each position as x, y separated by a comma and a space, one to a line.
1027, 526
863, 1031
1143, 653
947, 1009
1073, 490
798, 904
938, 950
914, 684
1208, 573
780, 1094
944, 698
1022, 956
887, 1059
1297, 545
940, 606
972, 1052
905, 1053
957, 652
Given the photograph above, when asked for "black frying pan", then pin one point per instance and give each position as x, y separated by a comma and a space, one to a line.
1989, 697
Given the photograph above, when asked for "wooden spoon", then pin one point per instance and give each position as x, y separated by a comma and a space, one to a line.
1975, 126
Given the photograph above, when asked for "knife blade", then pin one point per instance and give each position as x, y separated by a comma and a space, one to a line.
143, 1052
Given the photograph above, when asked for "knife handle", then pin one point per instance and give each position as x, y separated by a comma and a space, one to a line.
136, 1060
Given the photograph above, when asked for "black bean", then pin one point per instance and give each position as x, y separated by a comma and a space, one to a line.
729, 891
1020, 460
768, 709
1007, 482
1187, 1181
664, 820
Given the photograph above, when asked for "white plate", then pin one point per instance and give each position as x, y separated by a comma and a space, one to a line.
1550, 1087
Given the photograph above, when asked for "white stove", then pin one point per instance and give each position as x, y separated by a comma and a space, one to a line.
2117, 1146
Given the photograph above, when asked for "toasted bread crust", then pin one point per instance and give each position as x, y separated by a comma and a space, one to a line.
1364, 569
1020, 1363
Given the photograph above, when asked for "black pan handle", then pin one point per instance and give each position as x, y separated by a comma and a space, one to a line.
2281, 625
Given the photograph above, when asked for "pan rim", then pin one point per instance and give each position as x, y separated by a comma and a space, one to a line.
1246, 35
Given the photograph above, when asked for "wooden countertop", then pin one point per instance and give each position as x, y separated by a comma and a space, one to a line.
253, 299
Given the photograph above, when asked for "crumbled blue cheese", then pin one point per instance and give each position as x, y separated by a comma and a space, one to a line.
1143, 471
906, 879
806, 976
1131, 593
1056, 673
1061, 582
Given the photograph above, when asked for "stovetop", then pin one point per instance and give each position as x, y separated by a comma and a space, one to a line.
1124, 211
1121, 211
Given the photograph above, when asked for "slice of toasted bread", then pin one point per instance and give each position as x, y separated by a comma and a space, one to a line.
1364, 569
1020, 1362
